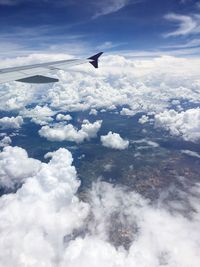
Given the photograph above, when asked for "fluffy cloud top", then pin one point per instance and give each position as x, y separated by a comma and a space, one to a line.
5, 141
38, 111
143, 119
127, 112
11, 122
185, 124
49, 226
114, 140
93, 111
16, 166
142, 86
40, 115
43, 213
62, 117
17, 95
60, 132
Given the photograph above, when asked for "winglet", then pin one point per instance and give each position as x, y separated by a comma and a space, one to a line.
94, 59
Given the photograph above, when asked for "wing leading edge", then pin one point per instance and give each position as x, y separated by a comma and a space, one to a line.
34, 73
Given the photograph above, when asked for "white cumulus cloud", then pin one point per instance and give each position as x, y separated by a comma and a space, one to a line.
42, 213
40, 115
143, 119
5, 141
11, 122
114, 140
93, 112
62, 117
185, 124
16, 166
127, 112
60, 132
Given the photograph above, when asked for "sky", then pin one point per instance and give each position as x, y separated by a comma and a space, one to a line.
128, 27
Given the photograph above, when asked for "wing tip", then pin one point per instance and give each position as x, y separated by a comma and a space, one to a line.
95, 59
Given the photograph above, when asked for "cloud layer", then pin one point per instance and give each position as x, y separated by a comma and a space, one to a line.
142, 85
128, 85
49, 226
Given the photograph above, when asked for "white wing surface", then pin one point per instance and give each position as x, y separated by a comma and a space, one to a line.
34, 73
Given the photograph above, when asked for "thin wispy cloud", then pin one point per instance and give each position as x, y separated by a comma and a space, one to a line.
82, 33
109, 45
26, 40
188, 44
111, 6
186, 24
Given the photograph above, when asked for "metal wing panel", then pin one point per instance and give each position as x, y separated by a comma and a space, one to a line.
11, 76
34, 71
17, 75
66, 65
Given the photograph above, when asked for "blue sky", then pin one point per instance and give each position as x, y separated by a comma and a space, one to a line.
135, 27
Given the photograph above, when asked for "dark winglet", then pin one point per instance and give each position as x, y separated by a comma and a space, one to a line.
94, 59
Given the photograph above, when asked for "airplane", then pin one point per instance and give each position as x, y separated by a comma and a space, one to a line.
32, 73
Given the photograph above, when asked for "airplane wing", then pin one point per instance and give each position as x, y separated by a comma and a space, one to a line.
34, 73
